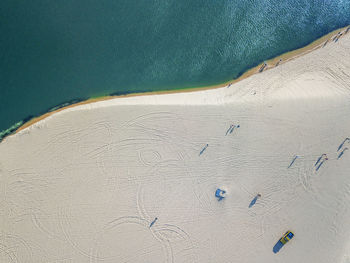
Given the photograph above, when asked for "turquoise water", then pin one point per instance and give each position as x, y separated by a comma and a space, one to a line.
55, 51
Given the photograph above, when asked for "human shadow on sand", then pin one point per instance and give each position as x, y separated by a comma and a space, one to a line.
254, 200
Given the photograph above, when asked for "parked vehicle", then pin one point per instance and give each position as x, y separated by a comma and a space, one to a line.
286, 237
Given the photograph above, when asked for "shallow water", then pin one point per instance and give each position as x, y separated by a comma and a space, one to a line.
55, 51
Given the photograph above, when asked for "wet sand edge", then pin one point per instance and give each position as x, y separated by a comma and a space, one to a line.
271, 63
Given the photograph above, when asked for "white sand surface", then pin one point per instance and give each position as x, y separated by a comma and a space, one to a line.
84, 184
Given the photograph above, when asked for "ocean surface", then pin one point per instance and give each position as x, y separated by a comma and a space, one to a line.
53, 51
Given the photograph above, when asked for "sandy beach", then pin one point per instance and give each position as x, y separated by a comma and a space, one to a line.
271, 63
134, 179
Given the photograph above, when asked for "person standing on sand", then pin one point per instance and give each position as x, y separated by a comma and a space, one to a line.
341, 145
319, 166
153, 222
263, 66
233, 127
203, 149
229, 129
325, 43
295, 157
342, 152
319, 158
254, 200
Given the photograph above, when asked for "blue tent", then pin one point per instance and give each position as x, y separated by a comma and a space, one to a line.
220, 194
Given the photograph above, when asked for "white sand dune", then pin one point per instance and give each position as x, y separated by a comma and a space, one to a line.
84, 184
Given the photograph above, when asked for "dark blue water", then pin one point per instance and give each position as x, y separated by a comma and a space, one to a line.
55, 51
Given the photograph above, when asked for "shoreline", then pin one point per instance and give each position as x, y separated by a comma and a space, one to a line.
145, 169
270, 63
